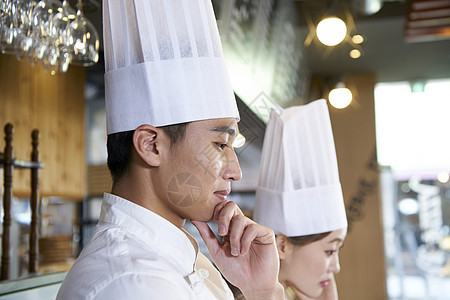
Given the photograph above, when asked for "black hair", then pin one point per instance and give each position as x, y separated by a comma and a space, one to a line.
307, 239
119, 147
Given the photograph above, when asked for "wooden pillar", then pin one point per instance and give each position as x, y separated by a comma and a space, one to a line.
34, 204
362, 258
7, 198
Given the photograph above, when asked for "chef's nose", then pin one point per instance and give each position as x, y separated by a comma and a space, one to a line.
335, 267
232, 170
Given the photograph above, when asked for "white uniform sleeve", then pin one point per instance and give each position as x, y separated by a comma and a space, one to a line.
135, 286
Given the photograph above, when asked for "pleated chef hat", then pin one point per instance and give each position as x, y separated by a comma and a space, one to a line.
299, 192
164, 64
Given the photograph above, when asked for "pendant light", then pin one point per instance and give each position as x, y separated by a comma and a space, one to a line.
340, 97
331, 31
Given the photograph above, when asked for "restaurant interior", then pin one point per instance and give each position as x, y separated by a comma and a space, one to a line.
392, 65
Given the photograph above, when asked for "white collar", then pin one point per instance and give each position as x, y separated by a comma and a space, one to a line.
170, 242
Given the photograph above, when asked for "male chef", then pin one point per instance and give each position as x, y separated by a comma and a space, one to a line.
171, 122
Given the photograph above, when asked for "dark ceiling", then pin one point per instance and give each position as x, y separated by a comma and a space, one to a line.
385, 50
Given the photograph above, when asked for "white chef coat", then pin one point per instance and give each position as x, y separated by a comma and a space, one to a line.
136, 254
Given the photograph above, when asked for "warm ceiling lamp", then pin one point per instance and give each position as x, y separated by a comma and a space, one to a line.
239, 141
357, 39
340, 97
355, 53
331, 31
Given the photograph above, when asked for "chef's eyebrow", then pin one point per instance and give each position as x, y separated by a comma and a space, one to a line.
336, 240
226, 129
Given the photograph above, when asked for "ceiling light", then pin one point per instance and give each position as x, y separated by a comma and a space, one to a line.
355, 53
340, 97
443, 177
239, 141
357, 39
331, 31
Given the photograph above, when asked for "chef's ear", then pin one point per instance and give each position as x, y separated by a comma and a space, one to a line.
284, 246
148, 141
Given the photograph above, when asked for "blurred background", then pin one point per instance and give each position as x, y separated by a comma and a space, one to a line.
384, 69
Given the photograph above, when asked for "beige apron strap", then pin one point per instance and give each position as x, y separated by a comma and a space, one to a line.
212, 279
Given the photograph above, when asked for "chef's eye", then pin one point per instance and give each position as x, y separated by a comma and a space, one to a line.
329, 252
221, 146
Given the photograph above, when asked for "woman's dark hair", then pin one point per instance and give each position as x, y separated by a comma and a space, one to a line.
307, 239
119, 147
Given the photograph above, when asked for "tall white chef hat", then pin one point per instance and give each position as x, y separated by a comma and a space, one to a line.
164, 64
299, 192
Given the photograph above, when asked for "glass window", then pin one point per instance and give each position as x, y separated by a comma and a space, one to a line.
413, 148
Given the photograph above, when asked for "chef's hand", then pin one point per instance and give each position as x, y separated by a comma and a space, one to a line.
247, 256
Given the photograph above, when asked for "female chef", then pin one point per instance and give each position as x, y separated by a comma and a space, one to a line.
299, 196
